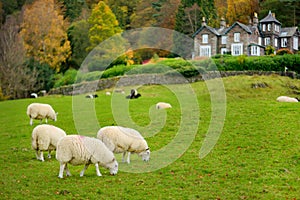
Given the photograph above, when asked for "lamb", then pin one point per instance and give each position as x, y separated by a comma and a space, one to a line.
119, 139
45, 138
41, 111
91, 96
33, 95
163, 105
287, 99
133, 94
79, 150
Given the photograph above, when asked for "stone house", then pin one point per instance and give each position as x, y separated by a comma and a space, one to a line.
241, 39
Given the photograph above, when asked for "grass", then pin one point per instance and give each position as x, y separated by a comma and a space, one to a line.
256, 157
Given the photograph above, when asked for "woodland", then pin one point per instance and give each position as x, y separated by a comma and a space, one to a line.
41, 40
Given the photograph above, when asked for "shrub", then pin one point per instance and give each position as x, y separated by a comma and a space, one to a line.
284, 51
67, 78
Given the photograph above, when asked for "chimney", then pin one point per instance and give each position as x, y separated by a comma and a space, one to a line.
222, 23
203, 21
255, 19
273, 14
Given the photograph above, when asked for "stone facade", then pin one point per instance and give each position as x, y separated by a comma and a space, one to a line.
241, 39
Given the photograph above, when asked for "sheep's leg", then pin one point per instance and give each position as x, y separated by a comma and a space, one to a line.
31, 121
42, 156
85, 167
61, 170
41, 121
68, 173
37, 155
97, 170
46, 120
49, 154
123, 157
128, 157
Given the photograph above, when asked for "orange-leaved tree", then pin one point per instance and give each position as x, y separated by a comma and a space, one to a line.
44, 33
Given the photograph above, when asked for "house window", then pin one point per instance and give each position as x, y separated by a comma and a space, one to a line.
276, 28
236, 49
267, 41
295, 43
276, 42
264, 27
205, 38
205, 51
269, 27
255, 51
223, 51
236, 37
283, 42
224, 39
259, 40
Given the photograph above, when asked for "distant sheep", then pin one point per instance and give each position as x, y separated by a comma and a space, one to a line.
133, 94
41, 111
163, 105
33, 95
107, 93
121, 140
91, 96
287, 99
45, 138
82, 150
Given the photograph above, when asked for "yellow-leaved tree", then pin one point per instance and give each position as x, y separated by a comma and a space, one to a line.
44, 33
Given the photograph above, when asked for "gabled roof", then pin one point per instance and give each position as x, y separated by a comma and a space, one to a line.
243, 26
288, 31
214, 31
270, 18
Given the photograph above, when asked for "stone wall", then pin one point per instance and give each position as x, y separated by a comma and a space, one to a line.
150, 79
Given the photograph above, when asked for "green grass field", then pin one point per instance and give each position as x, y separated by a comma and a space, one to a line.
256, 157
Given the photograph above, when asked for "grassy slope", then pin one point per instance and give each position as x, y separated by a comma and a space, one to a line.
256, 157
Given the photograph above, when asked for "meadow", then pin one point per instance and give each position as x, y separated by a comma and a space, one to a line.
257, 155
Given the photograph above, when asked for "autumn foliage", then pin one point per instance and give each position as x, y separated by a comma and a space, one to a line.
44, 33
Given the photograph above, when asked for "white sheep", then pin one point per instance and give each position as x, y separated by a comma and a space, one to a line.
40, 111
45, 138
79, 150
119, 139
287, 99
163, 105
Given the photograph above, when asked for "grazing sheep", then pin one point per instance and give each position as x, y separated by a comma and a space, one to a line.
133, 94
45, 138
91, 96
107, 93
41, 111
163, 105
119, 139
287, 99
33, 95
79, 150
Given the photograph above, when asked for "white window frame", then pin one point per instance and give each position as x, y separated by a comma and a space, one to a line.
205, 38
255, 51
269, 27
283, 42
267, 41
295, 43
276, 42
259, 40
264, 27
237, 49
205, 50
223, 50
276, 27
224, 39
236, 37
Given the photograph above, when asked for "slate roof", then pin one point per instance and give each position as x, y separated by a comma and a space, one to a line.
243, 26
288, 31
270, 18
214, 31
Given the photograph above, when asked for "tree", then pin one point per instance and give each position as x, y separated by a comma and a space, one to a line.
103, 24
73, 8
79, 39
44, 33
16, 78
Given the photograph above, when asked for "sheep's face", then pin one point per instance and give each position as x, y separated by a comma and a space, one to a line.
113, 167
145, 155
55, 117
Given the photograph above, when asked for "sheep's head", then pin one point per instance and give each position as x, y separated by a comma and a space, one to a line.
145, 154
113, 167
55, 117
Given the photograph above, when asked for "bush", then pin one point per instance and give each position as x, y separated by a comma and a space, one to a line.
67, 78
90, 76
284, 51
